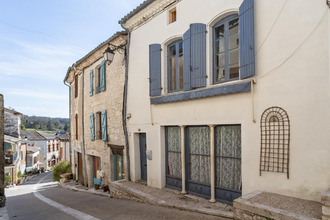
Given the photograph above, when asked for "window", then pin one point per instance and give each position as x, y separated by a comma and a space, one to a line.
173, 157
98, 126
233, 58
76, 118
76, 86
48, 148
226, 49
175, 66
172, 15
57, 147
100, 78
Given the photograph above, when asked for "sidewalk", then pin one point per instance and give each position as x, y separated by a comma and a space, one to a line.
163, 197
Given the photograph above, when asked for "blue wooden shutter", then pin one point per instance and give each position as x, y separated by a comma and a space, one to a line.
246, 39
104, 125
91, 83
198, 55
91, 116
186, 60
102, 75
154, 69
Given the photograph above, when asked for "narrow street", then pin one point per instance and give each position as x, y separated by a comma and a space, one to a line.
41, 198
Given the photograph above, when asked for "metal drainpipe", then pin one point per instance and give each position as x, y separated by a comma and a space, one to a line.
69, 122
83, 130
125, 104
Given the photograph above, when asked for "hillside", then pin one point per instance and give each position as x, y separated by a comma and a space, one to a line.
45, 123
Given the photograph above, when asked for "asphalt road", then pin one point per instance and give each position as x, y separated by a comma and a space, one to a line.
43, 199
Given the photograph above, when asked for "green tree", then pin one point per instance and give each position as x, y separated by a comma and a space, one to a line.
66, 127
50, 125
23, 127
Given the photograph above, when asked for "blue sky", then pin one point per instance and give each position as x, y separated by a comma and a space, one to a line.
40, 39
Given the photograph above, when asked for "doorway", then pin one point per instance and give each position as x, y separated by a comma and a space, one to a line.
96, 167
143, 157
80, 175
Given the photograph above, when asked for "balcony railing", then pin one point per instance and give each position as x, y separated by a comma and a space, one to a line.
10, 158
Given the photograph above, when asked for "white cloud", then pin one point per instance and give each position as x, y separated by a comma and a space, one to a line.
36, 94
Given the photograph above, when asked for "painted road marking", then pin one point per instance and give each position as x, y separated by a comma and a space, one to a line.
73, 212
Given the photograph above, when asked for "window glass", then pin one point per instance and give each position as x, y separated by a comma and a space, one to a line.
175, 66
226, 49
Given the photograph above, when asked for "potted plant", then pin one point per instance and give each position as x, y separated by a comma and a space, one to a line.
9, 151
7, 180
96, 186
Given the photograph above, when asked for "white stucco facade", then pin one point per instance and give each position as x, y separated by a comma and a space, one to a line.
292, 71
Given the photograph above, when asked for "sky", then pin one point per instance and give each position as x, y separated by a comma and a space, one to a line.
40, 40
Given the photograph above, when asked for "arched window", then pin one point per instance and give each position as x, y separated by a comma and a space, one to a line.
175, 66
275, 141
226, 49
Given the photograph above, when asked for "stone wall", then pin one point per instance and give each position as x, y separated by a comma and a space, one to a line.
2, 162
119, 194
260, 205
12, 124
326, 205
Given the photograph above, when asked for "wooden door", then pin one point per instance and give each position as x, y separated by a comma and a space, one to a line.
96, 167
80, 175
61, 153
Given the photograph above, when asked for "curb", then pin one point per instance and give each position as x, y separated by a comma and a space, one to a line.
62, 184
155, 201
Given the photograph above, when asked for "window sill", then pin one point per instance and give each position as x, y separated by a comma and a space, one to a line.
202, 93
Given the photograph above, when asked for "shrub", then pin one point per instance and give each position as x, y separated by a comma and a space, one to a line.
62, 167
19, 173
7, 179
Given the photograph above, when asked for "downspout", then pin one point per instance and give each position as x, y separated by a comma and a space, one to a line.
83, 128
125, 104
69, 121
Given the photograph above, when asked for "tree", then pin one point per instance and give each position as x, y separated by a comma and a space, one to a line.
49, 125
66, 127
23, 127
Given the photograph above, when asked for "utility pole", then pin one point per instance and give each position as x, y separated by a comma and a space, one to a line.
2, 156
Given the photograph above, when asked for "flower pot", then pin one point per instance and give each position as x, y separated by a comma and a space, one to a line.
96, 186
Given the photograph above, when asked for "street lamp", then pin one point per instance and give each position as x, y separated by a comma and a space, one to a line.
110, 53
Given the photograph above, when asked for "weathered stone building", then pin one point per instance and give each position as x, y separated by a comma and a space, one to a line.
2, 155
12, 145
96, 102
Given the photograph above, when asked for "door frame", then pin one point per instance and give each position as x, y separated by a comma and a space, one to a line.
143, 168
115, 166
205, 189
222, 194
95, 180
171, 181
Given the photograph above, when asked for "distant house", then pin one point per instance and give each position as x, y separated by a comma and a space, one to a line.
96, 99
64, 142
32, 158
34, 139
53, 149
12, 143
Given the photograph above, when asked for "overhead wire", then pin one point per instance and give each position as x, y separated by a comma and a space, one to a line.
298, 47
